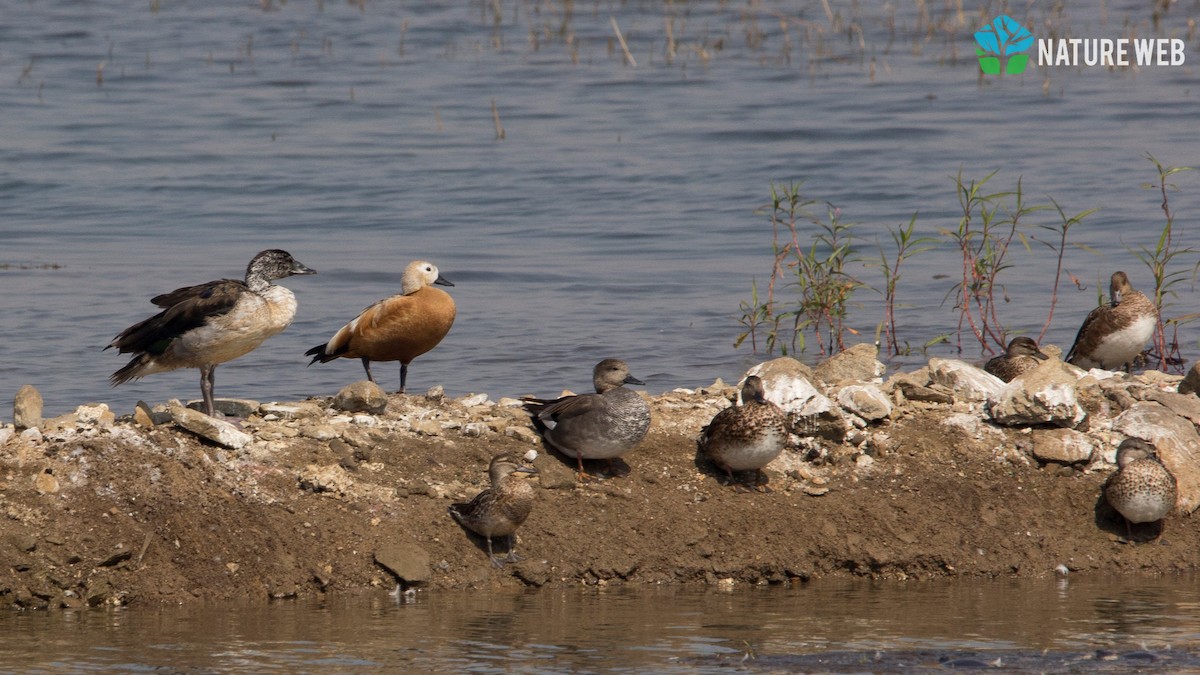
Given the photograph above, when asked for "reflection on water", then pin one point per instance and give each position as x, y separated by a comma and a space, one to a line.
1044, 624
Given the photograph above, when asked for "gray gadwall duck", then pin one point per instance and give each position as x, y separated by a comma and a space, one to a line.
1142, 490
746, 437
206, 325
399, 328
1021, 357
603, 425
1113, 335
499, 510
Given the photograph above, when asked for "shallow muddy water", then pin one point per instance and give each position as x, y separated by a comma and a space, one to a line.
1049, 625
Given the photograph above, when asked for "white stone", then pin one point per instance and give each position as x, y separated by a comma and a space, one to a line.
32, 435
965, 380
794, 393
1176, 441
1065, 446
1044, 395
866, 401
473, 399
218, 431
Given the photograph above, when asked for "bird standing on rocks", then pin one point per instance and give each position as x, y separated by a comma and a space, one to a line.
746, 437
1113, 335
499, 510
1142, 490
399, 328
1021, 356
603, 425
206, 325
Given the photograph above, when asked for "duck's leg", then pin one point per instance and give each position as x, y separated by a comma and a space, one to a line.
760, 481
492, 557
367, 367
403, 376
512, 550
206, 388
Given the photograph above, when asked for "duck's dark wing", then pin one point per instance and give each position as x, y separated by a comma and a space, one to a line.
186, 308
1092, 317
467, 512
562, 408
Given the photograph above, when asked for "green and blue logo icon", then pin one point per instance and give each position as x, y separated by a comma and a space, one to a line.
999, 46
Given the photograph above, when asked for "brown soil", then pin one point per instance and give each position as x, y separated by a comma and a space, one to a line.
150, 516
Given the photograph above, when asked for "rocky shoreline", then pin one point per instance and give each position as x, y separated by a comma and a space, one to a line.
940, 472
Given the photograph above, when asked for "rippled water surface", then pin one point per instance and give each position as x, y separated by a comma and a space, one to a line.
1049, 625
152, 145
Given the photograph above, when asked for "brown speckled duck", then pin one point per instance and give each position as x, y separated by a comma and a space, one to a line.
603, 425
1113, 335
399, 328
499, 510
746, 437
1021, 357
1142, 490
208, 324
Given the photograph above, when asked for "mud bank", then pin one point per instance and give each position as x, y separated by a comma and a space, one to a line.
138, 510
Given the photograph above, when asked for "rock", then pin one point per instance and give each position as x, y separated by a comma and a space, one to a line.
1183, 405
1177, 443
363, 396
218, 431
474, 429
965, 380
1190, 384
1064, 446
97, 414
331, 478
521, 434
289, 411
142, 415
426, 427
240, 408
435, 393
408, 562
789, 385
32, 436
856, 364
865, 400
27, 408
65, 421
6, 434
320, 432
473, 400
1044, 395
45, 482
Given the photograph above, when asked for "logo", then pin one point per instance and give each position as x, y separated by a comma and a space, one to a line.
999, 47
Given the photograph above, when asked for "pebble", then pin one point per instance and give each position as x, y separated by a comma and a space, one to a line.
473, 400
521, 433
27, 408
362, 396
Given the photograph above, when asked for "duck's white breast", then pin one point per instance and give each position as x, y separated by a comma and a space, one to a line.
253, 319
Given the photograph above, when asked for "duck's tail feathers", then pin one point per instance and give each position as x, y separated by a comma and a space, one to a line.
136, 368
318, 353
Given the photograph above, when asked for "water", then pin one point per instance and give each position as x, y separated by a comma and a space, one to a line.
153, 145
1045, 625
145, 148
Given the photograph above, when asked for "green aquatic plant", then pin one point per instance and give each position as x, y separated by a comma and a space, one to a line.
817, 272
989, 225
1162, 261
907, 245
